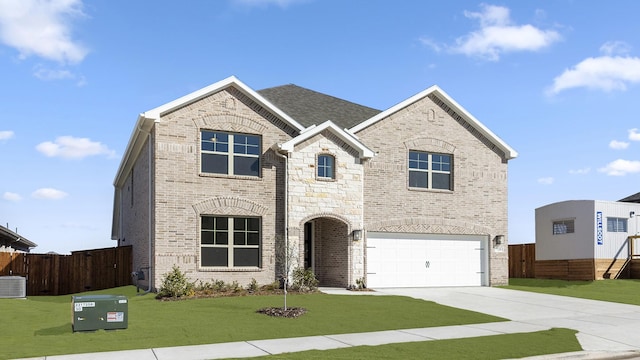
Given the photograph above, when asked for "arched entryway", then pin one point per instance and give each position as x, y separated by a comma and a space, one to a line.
326, 250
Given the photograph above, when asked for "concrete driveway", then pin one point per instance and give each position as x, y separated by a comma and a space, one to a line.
602, 326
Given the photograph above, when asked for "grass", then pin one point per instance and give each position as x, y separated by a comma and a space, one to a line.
41, 325
620, 291
508, 346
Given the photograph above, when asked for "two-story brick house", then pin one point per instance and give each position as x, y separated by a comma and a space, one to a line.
215, 181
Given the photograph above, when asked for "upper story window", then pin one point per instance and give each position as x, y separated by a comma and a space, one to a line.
326, 167
230, 153
563, 227
230, 241
430, 171
616, 224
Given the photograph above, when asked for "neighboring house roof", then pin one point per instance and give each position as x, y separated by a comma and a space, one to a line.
363, 151
447, 101
635, 198
13, 240
309, 107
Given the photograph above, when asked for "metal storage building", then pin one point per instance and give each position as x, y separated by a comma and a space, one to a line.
586, 239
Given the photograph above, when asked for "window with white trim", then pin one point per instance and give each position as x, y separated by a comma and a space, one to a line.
230, 241
229, 153
326, 166
563, 227
430, 170
616, 224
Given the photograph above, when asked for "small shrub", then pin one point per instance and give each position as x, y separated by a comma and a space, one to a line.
219, 285
253, 286
304, 280
272, 287
175, 284
361, 284
235, 287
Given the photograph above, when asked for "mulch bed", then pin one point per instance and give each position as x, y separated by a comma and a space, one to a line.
281, 312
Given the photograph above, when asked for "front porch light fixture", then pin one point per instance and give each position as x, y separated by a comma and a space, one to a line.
498, 240
357, 235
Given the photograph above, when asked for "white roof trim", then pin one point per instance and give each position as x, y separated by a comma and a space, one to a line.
363, 151
510, 153
214, 88
147, 119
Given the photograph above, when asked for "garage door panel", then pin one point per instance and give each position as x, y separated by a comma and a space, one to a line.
425, 260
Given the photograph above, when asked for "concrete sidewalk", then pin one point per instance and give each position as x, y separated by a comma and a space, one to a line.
278, 346
607, 330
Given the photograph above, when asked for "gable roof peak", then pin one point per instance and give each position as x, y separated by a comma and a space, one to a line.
435, 90
350, 139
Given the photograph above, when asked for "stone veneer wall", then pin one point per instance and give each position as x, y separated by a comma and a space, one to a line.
478, 203
340, 199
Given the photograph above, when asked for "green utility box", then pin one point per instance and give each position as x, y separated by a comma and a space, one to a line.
94, 312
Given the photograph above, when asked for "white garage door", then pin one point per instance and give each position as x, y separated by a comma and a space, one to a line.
420, 260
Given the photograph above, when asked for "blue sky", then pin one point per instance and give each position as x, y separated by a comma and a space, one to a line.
559, 81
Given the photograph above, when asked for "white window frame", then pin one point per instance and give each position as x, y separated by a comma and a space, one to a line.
230, 246
231, 154
429, 171
617, 224
332, 168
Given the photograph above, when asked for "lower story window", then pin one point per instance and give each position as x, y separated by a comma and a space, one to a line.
230, 241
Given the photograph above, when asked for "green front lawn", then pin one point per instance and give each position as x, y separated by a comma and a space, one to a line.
41, 325
509, 346
620, 291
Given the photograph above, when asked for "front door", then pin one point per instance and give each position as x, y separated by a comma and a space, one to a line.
308, 245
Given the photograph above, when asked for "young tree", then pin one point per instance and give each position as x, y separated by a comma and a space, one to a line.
287, 254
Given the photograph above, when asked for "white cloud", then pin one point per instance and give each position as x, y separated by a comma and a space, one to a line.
47, 74
11, 196
498, 35
634, 135
618, 145
431, 44
6, 134
621, 167
70, 147
613, 71
615, 48
583, 171
42, 28
546, 180
49, 194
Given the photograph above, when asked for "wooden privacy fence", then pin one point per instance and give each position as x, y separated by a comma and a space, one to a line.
53, 274
522, 261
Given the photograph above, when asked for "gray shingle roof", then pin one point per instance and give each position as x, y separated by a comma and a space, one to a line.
309, 107
635, 198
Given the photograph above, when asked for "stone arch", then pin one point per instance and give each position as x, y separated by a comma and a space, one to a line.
324, 215
327, 248
430, 144
223, 205
230, 122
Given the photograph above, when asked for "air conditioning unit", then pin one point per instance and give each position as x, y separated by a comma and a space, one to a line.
13, 287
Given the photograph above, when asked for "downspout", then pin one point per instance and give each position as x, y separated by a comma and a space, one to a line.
150, 287
150, 224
